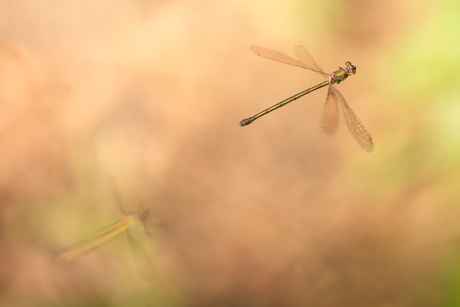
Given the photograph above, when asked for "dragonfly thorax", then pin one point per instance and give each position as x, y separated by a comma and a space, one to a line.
339, 75
134, 219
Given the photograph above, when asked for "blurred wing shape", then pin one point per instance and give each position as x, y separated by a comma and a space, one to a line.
281, 57
302, 54
353, 124
116, 194
145, 259
331, 112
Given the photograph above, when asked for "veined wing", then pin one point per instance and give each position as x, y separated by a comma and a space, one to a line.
302, 54
352, 122
281, 57
331, 112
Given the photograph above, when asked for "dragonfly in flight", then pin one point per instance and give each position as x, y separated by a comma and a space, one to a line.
129, 221
334, 99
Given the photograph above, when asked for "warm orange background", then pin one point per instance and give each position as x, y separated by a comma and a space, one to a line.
150, 93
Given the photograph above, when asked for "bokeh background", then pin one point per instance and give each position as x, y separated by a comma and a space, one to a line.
148, 95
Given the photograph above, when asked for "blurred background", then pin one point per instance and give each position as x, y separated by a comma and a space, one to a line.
149, 94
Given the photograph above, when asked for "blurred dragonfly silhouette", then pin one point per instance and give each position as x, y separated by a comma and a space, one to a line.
334, 99
129, 221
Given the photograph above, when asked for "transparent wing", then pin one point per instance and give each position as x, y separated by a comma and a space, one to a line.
145, 258
331, 112
281, 57
353, 124
302, 54
116, 194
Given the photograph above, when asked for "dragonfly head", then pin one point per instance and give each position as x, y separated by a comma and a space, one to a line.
351, 69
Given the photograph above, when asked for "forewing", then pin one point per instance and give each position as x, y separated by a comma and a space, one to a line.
302, 54
283, 58
331, 112
353, 124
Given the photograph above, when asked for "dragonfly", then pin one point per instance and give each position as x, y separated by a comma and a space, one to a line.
334, 99
129, 221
